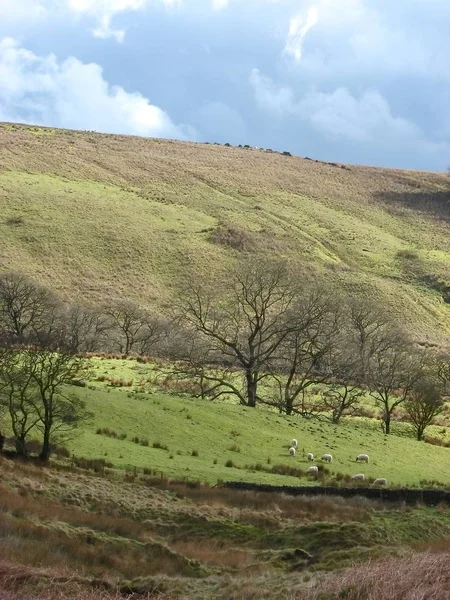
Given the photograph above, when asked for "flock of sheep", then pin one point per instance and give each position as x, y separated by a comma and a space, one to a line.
328, 459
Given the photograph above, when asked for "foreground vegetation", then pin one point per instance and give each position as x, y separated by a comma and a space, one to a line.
114, 535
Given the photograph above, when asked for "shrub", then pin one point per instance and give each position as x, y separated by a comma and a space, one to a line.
194, 453
234, 448
145, 443
230, 463
159, 446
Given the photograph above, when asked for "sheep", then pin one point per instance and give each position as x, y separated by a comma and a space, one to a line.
313, 471
294, 444
310, 456
358, 477
362, 458
327, 458
380, 481
292, 451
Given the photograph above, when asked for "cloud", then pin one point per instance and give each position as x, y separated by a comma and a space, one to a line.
298, 28
21, 10
74, 94
268, 95
350, 121
220, 123
337, 114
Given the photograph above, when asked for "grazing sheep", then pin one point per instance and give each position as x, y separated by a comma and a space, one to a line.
327, 458
362, 458
358, 477
380, 481
310, 456
313, 471
294, 444
292, 451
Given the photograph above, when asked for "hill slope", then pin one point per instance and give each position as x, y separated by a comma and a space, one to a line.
98, 216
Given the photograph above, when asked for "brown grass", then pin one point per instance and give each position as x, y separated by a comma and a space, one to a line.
418, 577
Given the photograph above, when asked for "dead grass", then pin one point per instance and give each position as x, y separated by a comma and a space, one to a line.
417, 577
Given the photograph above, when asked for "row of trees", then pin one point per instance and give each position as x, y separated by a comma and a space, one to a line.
286, 335
263, 335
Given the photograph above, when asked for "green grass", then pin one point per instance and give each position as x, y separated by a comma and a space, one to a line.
116, 216
201, 436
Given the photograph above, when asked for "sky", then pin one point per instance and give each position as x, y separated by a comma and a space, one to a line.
356, 81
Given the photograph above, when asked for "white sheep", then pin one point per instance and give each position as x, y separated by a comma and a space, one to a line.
292, 451
327, 458
313, 471
310, 456
294, 444
362, 458
380, 481
358, 477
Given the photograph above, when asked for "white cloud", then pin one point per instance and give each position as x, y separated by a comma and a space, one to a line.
75, 95
20, 10
298, 28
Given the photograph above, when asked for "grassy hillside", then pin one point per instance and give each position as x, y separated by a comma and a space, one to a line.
98, 216
136, 426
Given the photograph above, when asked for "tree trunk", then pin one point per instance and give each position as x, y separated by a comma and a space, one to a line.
387, 424
420, 431
252, 384
45, 451
21, 447
289, 405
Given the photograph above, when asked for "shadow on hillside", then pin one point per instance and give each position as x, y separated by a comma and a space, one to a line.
433, 203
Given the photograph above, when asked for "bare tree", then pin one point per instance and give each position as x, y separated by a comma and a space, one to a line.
423, 404
441, 367
312, 330
365, 327
24, 305
132, 329
35, 371
392, 369
17, 394
343, 388
86, 328
59, 412
242, 320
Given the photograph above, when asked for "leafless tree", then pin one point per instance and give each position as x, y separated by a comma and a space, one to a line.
24, 304
343, 390
17, 394
242, 320
36, 368
59, 412
86, 329
312, 329
423, 404
441, 368
132, 329
392, 369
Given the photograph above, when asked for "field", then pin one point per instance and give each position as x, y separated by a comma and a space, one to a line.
96, 216
136, 426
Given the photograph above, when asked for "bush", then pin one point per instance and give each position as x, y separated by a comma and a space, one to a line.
159, 446
234, 448
194, 453
230, 463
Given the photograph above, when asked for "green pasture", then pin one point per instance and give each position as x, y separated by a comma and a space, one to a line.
196, 438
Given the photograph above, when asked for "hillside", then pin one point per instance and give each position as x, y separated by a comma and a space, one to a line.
97, 216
